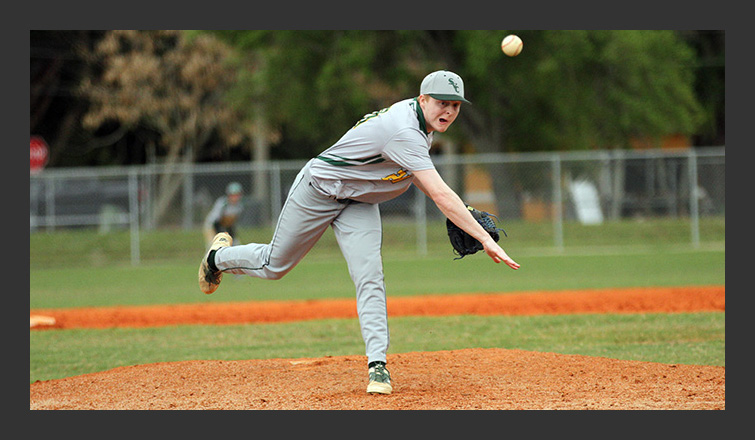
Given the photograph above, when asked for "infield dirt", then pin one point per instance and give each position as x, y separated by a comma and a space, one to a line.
471, 378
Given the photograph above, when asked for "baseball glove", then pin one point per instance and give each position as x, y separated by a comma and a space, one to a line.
463, 243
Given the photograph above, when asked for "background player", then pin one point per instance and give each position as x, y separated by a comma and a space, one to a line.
375, 161
224, 213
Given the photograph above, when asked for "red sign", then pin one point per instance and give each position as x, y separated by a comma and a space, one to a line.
38, 154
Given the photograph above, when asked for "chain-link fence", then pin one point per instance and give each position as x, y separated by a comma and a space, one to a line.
552, 188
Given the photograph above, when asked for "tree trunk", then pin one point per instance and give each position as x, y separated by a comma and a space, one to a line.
170, 181
173, 176
261, 158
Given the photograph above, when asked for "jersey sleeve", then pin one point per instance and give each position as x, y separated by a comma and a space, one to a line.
409, 149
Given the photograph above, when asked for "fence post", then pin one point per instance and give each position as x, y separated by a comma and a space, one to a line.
694, 214
50, 203
133, 202
558, 227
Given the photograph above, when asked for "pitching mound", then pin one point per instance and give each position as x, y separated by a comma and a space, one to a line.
460, 379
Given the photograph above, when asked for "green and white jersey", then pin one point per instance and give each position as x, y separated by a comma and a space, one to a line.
375, 160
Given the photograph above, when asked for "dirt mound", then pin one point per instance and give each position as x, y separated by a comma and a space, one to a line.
460, 379
485, 379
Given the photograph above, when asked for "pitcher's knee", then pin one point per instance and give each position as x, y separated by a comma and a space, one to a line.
275, 274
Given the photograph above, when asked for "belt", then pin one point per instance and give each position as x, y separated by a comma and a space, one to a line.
342, 201
347, 201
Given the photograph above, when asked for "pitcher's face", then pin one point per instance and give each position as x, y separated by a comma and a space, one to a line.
439, 115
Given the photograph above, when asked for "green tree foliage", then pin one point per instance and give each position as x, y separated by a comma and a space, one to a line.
298, 91
710, 83
314, 85
567, 90
585, 89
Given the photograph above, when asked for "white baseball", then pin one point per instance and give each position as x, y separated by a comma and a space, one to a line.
512, 45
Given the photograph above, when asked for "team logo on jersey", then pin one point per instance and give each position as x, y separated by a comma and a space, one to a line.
398, 176
453, 84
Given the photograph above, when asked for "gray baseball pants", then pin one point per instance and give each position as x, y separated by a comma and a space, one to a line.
305, 216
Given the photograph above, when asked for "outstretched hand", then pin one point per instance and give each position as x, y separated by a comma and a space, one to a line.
498, 255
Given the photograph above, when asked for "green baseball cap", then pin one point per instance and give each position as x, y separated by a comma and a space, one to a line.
443, 85
233, 188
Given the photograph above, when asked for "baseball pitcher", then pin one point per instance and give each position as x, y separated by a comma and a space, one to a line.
376, 160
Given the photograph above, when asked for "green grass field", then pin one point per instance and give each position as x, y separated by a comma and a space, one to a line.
76, 269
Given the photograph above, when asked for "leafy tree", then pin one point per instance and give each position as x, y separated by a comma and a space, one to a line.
576, 90
579, 89
168, 83
567, 90
298, 91
313, 85
710, 83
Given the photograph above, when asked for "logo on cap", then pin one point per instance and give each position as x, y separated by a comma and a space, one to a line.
453, 84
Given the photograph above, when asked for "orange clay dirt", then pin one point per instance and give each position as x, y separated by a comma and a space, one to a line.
472, 378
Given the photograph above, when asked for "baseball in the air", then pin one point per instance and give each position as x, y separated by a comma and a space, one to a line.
512, 45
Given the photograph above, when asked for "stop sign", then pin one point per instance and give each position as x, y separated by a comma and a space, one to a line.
38, 153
